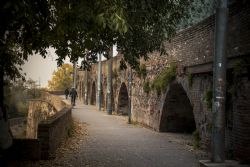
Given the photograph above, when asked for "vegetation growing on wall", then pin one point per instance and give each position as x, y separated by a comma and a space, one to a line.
209, 127
240, 68
164, 78
190, 80
196, 138
115, 73
142, 71
17, 94
207, 98
146, 87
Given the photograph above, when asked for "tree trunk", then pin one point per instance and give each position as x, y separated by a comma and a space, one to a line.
5, 134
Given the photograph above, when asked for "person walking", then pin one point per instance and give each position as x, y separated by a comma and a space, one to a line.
66, 92
73, 95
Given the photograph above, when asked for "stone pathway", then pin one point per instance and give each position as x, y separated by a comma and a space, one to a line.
103, 140
113, 142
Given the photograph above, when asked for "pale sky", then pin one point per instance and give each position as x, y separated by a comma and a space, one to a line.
39, 69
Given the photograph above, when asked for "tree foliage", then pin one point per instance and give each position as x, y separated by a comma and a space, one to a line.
81, 29
17, 95
61, 78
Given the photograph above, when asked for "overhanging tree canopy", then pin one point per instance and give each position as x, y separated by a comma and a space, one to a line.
84, 28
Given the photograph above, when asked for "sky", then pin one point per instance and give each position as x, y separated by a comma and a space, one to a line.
39, 69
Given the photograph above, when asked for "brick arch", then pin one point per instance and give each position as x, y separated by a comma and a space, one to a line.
123, 99
177, 111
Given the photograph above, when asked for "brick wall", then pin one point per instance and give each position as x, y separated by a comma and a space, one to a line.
38, 110
241, 121
50, 135
41, 109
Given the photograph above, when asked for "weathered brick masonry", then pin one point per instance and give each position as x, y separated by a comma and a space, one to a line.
181, 105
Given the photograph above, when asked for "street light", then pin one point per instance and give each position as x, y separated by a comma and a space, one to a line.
74, 74
130, 95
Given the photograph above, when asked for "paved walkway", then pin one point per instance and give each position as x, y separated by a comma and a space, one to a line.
114, 143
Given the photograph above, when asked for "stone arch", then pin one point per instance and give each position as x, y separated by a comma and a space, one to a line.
177, 112
123, 100
93, 94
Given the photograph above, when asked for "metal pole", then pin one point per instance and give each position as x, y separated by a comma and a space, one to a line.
86, 87
219, 83
109, 82
130, 95
100, 83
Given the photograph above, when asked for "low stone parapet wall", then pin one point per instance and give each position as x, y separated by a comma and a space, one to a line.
50, 134
38, 110
17, 121
24, 149
41, 109
53, 131
56, 101
18, 127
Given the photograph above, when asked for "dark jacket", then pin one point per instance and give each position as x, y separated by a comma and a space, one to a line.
73, 92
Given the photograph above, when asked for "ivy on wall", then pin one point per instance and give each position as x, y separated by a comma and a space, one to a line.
207, 98
146, 87
164, 78
142, 71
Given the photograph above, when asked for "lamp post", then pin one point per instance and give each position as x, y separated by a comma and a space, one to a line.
109, 82
219, 83
130, 95
86, 87
100, 83
74, 74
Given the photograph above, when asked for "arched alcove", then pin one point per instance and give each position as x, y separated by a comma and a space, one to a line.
93, 94
177, 113
122, 107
